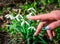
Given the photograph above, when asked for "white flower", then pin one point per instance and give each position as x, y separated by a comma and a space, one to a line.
9, 16
32, 28
21, 16
15, 9
17, 17
29, 15
31, 9
22, 23
12, 17
27, 23
22, 20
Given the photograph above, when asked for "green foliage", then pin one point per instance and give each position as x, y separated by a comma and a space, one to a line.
57, 31
3, 9
43, 2
50, 1
25, 33
59, 3
57, 36
26, 29
27, 6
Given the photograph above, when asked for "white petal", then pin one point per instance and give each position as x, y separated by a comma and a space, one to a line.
9, 16
17, 16
17, 19
22, 23
31, 9
32, 28
22, 19
27, 23
21, 16
28, 15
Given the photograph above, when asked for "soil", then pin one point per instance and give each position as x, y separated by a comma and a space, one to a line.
3, 37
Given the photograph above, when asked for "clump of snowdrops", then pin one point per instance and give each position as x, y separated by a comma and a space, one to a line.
20, 24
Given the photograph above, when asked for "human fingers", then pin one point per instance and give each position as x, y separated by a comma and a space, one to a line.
50, 27
53, 33
50, 34
53, 25
39, 28
43, 17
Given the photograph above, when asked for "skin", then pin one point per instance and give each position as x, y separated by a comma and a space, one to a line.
52, 20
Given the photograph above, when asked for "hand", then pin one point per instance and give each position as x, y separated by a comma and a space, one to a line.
52, 20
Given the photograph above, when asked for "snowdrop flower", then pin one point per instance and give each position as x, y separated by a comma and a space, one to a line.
12, 17
29, 15
17, 17
22, 23
22, 20
9, 16
27, 23
32, 28
31, 9
21, 16
15, 9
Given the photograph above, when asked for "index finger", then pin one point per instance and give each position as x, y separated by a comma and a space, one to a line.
39, 28
42, 17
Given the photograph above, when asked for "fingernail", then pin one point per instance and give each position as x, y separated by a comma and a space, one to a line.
51, 38
47, 27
